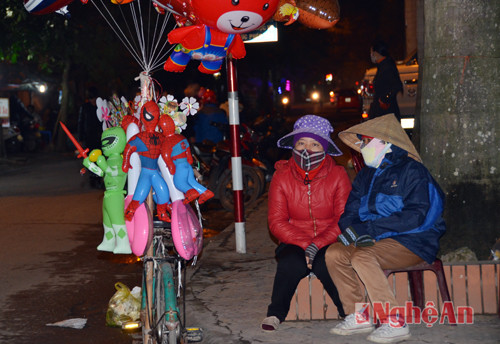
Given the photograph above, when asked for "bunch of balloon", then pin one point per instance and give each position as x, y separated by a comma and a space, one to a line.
210, 30
144, 161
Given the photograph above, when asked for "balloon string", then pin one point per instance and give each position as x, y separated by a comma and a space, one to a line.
140, 48
128, 28
147, 45
140, 34
117, 31
162, 56
156, 41
160, 60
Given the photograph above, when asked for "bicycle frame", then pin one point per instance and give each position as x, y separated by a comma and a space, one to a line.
160, 311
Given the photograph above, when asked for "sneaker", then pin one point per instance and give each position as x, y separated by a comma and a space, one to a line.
390, 334
270, 324
353, 323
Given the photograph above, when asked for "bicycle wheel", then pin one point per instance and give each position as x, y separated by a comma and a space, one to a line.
180, 285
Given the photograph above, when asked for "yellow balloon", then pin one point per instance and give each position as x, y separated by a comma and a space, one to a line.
95, 154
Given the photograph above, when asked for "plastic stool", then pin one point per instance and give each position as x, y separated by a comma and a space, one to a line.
415, 277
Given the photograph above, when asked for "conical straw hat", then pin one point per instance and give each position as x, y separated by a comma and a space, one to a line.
385, 128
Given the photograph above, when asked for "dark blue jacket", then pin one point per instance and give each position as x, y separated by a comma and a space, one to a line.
398, 200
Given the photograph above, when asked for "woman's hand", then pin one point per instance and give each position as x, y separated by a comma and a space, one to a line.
311, 251
309, 263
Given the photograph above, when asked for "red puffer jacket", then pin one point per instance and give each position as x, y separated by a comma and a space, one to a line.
302, 214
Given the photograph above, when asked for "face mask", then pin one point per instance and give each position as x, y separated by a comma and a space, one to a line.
373, 153
307, 159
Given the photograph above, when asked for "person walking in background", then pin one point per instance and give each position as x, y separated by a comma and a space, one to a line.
392, 219
387, 83
306, 198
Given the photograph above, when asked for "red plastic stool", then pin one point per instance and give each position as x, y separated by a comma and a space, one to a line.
415, 277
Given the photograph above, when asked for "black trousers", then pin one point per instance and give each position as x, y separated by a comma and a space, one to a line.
291, 269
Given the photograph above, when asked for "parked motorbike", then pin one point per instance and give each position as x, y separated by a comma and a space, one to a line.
213, 163
268, 129
13, 140
22, 121
30, 129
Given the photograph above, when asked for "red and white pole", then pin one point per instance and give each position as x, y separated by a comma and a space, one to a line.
234, 124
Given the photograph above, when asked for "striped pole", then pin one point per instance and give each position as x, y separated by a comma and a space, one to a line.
234, 124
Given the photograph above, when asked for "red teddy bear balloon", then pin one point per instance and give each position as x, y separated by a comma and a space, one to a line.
216, 31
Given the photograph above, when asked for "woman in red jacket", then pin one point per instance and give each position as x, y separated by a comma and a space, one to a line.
306, 198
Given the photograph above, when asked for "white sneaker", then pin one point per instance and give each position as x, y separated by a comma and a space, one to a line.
390, 334
270, 324
353, 323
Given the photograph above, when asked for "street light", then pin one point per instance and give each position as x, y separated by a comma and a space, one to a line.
315, 96
41, 87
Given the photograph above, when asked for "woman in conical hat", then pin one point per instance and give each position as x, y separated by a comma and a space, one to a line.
386, 128
392, 219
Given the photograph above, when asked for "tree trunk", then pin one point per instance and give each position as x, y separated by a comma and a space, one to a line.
459, 119
60, 136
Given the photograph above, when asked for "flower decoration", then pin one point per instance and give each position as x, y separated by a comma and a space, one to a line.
103, 113
178, 112
111, 113
189, 106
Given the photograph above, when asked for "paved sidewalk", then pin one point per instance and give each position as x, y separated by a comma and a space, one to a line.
228, 294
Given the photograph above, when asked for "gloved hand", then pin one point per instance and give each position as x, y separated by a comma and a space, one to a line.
343, 239
311, 251
351, 237
364, 241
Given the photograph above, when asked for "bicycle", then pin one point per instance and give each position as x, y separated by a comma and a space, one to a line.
163, 311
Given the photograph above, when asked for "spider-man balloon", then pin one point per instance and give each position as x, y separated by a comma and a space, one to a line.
148, 145
177, 156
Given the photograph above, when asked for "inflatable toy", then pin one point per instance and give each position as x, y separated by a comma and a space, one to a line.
46, 6
147, 144
176, 154
113, 142
140, 228
216, 31
187, 232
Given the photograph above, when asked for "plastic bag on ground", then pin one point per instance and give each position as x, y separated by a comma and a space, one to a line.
123, 306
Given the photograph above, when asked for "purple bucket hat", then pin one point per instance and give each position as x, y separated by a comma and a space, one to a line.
318, 127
